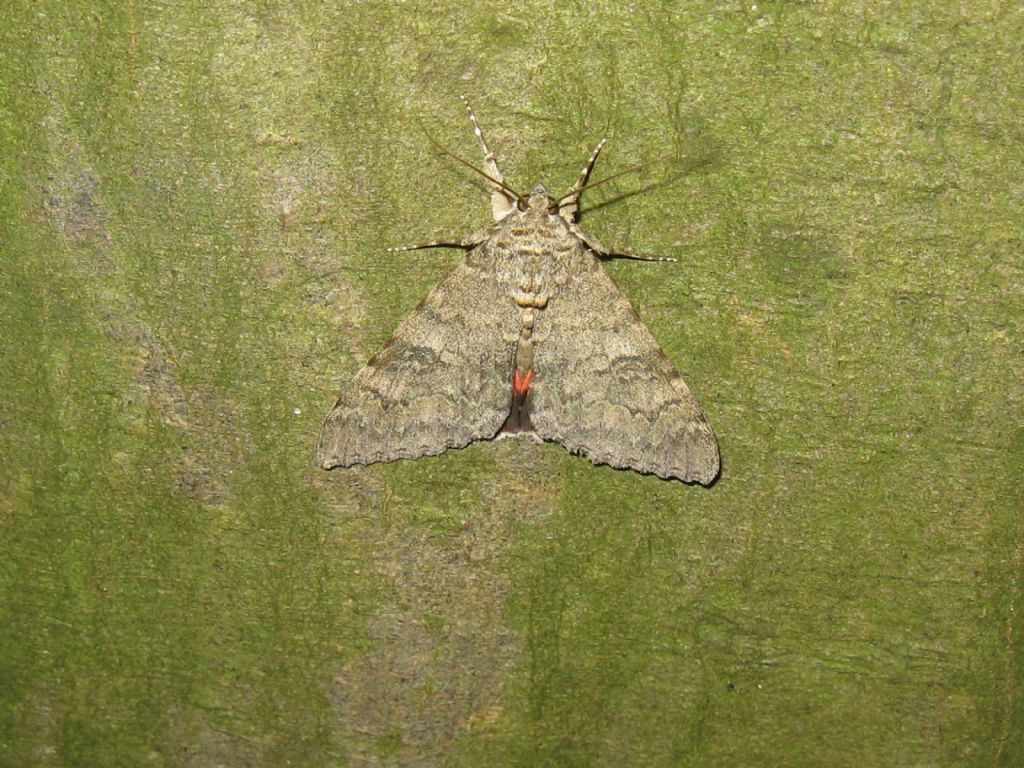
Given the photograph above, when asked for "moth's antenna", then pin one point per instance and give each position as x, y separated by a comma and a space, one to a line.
456, 158
578, 190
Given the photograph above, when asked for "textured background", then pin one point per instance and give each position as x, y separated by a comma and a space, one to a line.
195, 202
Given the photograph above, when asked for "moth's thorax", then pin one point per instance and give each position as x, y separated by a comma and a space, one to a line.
532, 250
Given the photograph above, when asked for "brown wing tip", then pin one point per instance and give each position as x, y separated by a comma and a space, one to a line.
705, 476
325, 457
703, 462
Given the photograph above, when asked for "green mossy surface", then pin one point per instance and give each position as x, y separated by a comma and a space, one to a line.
194, 203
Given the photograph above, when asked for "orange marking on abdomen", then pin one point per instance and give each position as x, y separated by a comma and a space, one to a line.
521, 384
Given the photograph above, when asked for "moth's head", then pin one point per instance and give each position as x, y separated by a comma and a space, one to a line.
539, 200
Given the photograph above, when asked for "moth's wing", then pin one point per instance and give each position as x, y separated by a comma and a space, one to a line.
603, 387
441, 381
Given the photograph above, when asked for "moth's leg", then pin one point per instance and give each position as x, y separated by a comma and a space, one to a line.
595, 245
501, 203
570, 202
591, 242
470, 241
490, 165
420, 246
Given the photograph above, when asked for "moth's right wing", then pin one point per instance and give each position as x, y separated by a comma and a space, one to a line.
440, 382
604, 388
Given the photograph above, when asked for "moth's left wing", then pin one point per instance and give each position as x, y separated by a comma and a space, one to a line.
442, 381
602, 386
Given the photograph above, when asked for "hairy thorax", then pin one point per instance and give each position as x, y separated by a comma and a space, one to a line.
531, 252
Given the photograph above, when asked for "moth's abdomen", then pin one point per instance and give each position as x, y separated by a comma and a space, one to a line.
522, 375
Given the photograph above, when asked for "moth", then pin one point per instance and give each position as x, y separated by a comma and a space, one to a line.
528, 335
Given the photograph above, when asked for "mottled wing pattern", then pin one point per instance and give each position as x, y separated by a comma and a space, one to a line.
604, 388
440, 382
